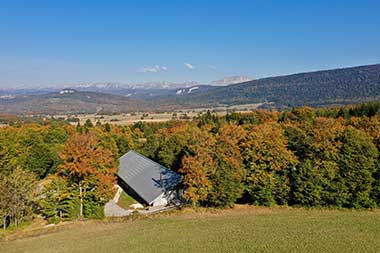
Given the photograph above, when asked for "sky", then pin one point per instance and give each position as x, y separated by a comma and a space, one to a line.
49, 43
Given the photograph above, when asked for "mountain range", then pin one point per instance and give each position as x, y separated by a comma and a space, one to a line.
144, 90
319, 88
231, 80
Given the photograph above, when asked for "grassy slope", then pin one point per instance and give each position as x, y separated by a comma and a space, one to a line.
125, 200
243, 229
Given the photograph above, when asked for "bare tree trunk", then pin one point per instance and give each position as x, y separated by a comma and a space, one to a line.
4, 222
81, 201
15, 215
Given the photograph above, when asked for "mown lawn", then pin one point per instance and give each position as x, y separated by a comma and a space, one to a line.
238, 230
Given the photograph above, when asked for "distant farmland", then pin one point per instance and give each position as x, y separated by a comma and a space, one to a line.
131, 118
243, 229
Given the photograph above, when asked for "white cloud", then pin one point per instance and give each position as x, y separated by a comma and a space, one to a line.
149, 69
211, 67
189, 66
154, 69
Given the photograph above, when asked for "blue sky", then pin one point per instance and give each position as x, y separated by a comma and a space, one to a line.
63, 42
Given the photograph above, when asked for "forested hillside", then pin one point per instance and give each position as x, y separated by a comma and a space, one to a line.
339, 86
325, 157
315, 89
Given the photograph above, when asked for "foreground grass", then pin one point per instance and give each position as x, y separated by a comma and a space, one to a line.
238, 230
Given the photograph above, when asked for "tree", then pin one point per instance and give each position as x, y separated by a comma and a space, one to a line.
306, 185
268, 163
17, 194
375, 194
90, 166
196, 170
357, 166
124, 144
168, 146
317, 145
107, 127
56, 134
5, 199
226, 182
88, 124
59, 201
7, 151
198, 166
39, 159
28, 147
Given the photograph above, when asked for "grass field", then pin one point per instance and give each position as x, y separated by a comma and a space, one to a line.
125, 201
243, 229
131, 118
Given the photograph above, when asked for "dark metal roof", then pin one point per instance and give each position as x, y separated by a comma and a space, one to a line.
146, 177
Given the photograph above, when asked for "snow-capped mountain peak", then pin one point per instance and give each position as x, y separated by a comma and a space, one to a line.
231, 80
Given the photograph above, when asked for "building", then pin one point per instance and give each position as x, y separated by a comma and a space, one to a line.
67, 91
147, 181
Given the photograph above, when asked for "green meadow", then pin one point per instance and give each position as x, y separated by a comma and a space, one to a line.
242, 229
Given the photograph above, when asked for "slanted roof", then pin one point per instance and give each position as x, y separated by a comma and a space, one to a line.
144, 176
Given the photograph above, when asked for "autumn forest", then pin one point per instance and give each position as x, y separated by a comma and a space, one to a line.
301, 157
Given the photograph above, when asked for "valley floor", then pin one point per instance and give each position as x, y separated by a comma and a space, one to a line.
242, 229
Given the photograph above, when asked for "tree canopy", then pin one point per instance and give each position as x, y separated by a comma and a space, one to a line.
304, 157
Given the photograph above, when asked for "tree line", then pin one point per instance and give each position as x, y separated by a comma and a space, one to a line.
302, 157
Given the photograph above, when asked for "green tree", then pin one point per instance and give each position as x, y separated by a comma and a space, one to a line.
88, 124
59, 199
357, 166
317, 145
268, 163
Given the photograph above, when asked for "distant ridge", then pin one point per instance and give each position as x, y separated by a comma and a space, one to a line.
318, 88
69, 101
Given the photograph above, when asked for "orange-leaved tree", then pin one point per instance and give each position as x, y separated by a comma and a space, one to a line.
89, 165
227, 184
198, 166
